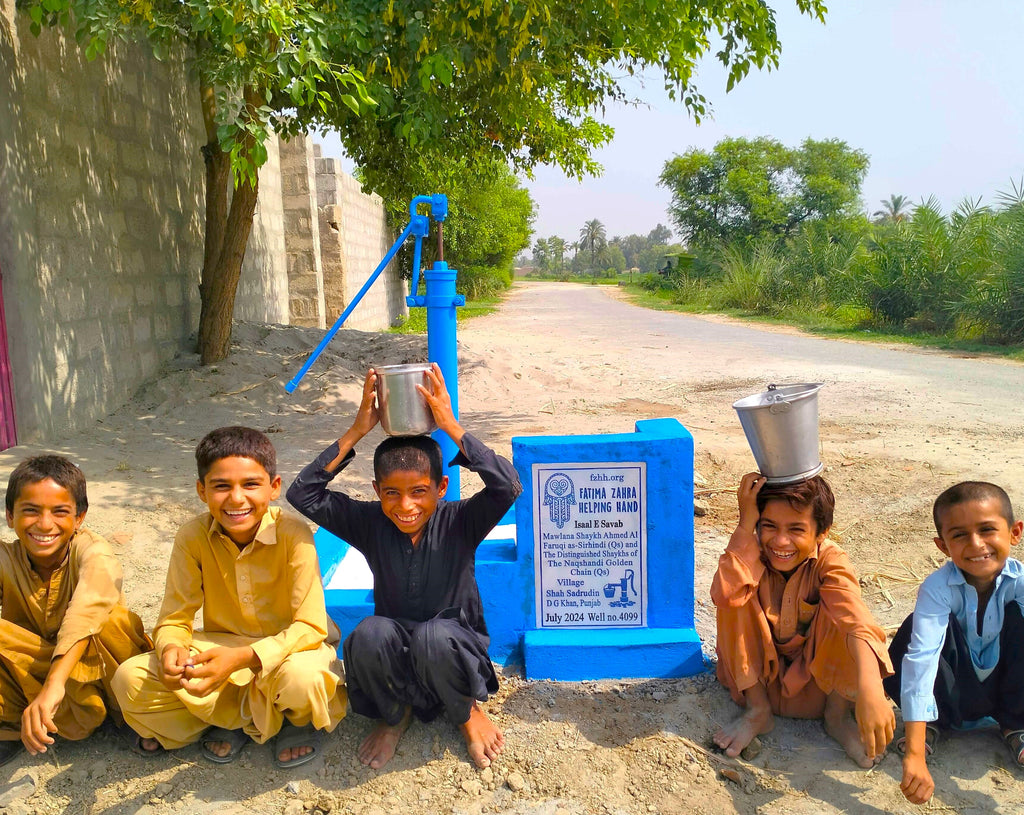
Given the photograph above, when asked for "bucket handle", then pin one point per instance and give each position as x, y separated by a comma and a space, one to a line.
777, 402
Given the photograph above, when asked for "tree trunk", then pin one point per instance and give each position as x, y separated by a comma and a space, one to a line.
221, 282
227, 233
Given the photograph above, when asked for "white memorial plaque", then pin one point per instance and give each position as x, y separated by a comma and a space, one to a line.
590, 529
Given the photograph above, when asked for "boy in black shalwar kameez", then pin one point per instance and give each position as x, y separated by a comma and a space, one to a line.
425, 649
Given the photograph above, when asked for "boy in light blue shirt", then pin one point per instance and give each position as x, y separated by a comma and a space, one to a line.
959, 659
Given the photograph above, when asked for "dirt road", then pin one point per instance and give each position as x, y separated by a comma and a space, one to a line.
897, 426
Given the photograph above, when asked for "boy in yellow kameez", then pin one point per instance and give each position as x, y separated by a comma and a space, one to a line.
63, 626
265, 666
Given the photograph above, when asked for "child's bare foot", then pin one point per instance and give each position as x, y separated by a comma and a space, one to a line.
483, 738
379, 747
741, 731
840, 725
150, 745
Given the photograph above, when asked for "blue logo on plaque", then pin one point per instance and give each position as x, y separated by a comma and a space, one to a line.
559, 494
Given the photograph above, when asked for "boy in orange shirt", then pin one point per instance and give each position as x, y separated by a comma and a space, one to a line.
794, 636
64, 626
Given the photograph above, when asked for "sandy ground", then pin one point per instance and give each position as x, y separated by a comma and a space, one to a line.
600, 747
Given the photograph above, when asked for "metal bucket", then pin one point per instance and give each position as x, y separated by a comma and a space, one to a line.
403, 410
781, 425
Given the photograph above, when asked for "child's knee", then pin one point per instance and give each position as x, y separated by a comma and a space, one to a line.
374, 632
129, 678
432, 640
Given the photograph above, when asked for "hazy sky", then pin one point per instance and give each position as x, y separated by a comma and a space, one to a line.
930, 89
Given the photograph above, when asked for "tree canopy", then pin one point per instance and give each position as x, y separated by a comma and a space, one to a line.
416, 88
749, 189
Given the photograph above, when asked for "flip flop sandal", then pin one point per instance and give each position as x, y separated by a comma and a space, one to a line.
931, 738
9, 750
1014, 740
237, 739
291, 736
133, 741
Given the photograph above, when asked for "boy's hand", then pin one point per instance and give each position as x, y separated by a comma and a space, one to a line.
37, 718
875, 719
172, 666
917, 785
367, 415
210, 669
750, 486
440, 404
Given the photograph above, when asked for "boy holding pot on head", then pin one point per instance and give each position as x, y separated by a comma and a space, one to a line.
960, 656
424, 650
794, 636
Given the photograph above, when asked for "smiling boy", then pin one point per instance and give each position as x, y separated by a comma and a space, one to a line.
63, 628
959, 657
794, 636
424, 650
265, 665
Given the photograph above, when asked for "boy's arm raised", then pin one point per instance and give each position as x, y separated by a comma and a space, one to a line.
740, 567
366, 419
440, 404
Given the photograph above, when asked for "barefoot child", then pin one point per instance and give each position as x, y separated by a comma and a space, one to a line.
425, 649
265, 665
794, 636
960, 656
64, 628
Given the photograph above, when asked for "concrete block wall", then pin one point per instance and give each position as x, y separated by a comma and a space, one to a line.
357, 221
302, 233
101, 185
263, 288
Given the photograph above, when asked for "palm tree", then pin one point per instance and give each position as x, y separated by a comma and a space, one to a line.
557, 247
592, 238
894, 209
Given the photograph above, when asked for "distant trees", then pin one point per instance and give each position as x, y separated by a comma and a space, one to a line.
754, 189
596, 254
894, 209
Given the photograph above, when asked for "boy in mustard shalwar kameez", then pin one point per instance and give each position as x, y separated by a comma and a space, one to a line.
63, 626
265, 665
794, 636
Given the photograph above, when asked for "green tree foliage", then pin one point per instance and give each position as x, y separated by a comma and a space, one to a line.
748, 190
593, 240
416, 88
489, 222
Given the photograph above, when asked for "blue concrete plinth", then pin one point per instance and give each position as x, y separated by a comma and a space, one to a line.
571, 656
665, 644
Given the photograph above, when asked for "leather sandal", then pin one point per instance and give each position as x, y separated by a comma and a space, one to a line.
931, 738
236, 739
291, 736
1014, 740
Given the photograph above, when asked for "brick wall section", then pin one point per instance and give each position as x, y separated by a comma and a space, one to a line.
101, 186
262, 295
362, 230
302, 233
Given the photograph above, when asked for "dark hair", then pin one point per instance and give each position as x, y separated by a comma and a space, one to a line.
244, 442
813, 492
413, 453
39, 468
971, 491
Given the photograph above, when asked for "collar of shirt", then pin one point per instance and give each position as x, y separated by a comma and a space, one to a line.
1011, 569
265, 534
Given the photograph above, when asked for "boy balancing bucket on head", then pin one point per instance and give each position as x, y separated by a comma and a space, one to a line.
781, 426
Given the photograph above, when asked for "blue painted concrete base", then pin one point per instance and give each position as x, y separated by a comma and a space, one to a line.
571, 656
